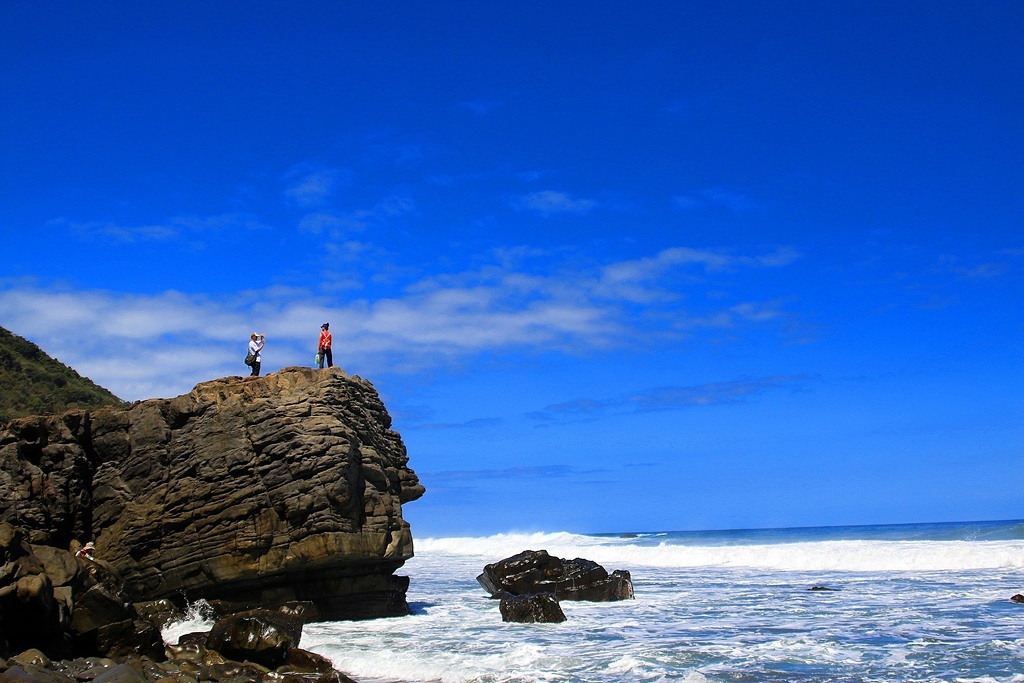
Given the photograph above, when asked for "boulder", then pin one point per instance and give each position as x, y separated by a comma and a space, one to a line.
104, 623
528, 609
60, 565
99, 606
32, 617
1018, 598
160, 612
532, 572
255, 491
123, 638
62, 605
303, 661
261, 636
30, 673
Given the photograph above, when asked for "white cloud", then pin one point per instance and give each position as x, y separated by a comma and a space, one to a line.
630, 280
145, 345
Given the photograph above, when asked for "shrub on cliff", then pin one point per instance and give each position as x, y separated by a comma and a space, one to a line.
33, 383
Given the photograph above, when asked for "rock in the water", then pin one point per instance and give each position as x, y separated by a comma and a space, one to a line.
257, 491
1017, 598
160, 612
531, 572
260, 636
528, 609
304, 661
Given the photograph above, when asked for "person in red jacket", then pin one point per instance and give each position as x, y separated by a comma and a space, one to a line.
324, 346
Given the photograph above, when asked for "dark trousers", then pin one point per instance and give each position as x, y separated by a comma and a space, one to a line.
327, 357
255, 369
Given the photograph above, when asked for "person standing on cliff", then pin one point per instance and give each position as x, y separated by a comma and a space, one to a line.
256, 342
323, 348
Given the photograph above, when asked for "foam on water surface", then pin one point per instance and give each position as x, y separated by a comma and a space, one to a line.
906, 605
797, 550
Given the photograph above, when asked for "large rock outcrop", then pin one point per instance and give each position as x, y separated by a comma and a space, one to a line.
256, 491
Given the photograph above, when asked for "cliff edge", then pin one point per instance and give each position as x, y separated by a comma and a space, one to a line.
255, 491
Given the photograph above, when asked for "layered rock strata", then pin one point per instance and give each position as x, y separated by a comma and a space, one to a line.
259, 491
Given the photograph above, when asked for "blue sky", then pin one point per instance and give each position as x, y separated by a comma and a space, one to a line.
612, 266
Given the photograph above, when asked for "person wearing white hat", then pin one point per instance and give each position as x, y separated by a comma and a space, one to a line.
253, 360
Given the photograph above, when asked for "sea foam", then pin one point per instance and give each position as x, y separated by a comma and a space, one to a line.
839, 555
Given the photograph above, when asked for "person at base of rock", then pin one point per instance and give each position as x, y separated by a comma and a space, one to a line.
86, 551
256, 342
323, 348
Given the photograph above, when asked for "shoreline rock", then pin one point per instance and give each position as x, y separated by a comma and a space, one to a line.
533, 572
531, 609
252, 491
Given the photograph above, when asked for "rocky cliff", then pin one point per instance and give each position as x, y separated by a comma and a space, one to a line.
261, 490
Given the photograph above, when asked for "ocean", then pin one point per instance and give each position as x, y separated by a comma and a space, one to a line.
919, 602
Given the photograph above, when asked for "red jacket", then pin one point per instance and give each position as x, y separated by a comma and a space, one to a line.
325, 339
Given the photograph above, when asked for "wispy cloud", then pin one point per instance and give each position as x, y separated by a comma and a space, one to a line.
160, 344
735, 202
175, 228
665, 398
340, 224
710, 394
476, 423
534, 472
987, 268
632, 279
479, 107
550, 202
315, 188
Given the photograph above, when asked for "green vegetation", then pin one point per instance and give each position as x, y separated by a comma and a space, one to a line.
33, 383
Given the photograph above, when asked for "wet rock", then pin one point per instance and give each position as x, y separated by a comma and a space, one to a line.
528, 609
29, 673
260, 636
128, 637
304, 661
160, 612
188, 666
533, 572
1018, 598
121, 673
194, 638
31, 656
